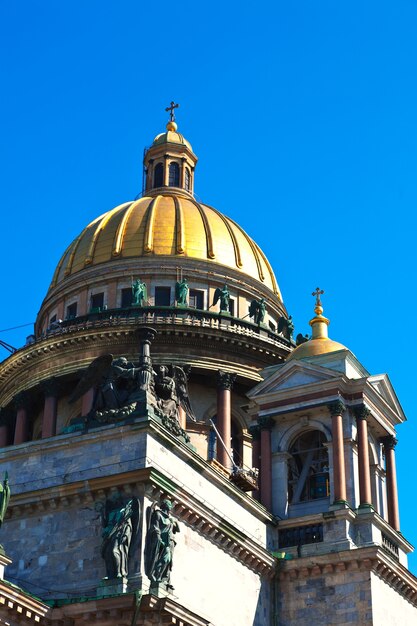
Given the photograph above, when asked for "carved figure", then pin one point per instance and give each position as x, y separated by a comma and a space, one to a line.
108, 374
301, 339
257, 310
286, 327
4, 497
139, 293
160, 543
181, 292
172, 390
120, 521
224, 296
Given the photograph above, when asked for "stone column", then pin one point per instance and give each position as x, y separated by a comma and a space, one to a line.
266, 424
365, 496
225, 382
182, 417
87, 401
51, 389
22, 420
336, 410
255, 431
4, 428
392, 493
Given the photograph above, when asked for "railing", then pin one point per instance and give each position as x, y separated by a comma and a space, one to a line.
300, 535
158, 315
390, 547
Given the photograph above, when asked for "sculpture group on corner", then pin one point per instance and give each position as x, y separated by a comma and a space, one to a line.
122, 389
120, 520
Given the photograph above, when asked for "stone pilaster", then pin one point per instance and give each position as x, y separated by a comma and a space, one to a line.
266, 424
365, 496
255, 432
336, 410
391, 474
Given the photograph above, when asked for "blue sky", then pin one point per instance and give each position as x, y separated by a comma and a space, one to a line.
303, 115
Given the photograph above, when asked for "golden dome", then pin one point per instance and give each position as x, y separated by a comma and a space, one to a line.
170, 224
171, 136
320, 342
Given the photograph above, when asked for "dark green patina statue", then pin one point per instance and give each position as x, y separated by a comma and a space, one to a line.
160, 543
139, 293
120, 521
224, 296
4, 501
257, 310
286, 327
181, 292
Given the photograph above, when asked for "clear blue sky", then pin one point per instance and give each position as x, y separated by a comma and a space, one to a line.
303, 115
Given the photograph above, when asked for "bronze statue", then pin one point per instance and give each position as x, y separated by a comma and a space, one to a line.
160, 543
172, 391
181, 292
257, 310
120, 522
224, 296
4, 497
114, 379
139, 293
286, 327
301, 339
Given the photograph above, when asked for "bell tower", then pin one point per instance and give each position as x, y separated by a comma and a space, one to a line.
170, 161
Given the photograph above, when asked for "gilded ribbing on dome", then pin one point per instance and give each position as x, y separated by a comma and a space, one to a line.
179, 227
149, 228
210, 248
238, 256
118, 240
271, 273
100, 227
75, 244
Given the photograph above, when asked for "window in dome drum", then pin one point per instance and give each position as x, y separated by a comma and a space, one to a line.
174, 175
126, 297
158, 177
162, 296
196, 300
96, 302
71, 311
187, 182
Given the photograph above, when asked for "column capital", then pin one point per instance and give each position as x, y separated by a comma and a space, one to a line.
361, 412
225, 380
255, 431
266, 423
389, 442
51, 387
21, 400
336, 407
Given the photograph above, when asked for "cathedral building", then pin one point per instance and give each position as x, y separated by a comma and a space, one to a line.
174, 456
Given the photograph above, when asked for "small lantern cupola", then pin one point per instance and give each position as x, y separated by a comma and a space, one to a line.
170, 161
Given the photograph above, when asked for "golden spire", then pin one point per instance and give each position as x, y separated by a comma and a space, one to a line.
319, 323
171, 124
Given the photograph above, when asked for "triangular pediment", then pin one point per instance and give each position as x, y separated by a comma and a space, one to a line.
291, 375
382, 385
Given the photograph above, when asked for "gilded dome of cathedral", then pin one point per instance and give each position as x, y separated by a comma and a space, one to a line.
166, 223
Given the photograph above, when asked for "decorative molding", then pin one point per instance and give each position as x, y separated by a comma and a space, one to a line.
266, 423
389, 442
225, 380
361, 412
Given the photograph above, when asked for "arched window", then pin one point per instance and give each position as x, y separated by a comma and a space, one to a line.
308, 468
158, 177
174, 175
187, 179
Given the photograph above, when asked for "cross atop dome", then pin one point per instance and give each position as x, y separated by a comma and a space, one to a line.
171, 110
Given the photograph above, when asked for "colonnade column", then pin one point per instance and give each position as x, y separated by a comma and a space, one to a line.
4, 428
87, 401
336, 410
225, 382
392, 493
22, 419
51, 390
365, 495
182, 417
266, 424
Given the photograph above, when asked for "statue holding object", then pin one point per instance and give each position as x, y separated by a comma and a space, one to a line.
160, 543
257, 310
181, 292
224, 296
286, 327
139, 293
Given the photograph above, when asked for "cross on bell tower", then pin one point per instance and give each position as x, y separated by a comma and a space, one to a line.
171, 108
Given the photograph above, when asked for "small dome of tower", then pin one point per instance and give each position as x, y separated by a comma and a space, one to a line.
319, 342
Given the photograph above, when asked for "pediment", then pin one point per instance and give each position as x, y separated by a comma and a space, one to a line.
291, 375
382, 385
